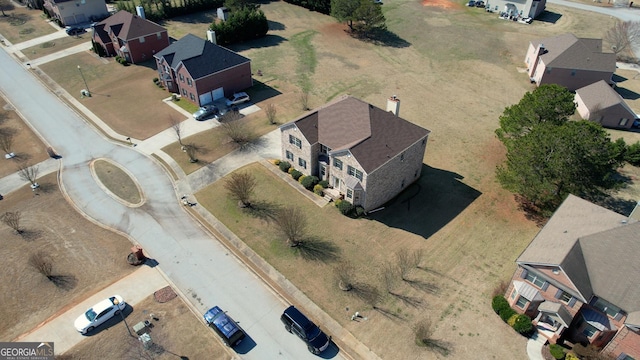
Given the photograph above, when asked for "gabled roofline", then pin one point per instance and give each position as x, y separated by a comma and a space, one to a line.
556, 283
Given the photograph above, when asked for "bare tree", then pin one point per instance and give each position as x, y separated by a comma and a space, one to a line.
6, 139
3, 4
12, 219
390, 278
176, 125
624, 35
304, 100
407, 261
423, 331
271, 112
240, 186
29, 173
293, 224
192, 150
42, 263
238, 133
344, 273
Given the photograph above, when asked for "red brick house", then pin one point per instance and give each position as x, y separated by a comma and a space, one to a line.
130, 36
201, 71
579, 279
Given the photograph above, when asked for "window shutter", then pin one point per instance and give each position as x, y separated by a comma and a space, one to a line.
524, 273
572, 302
558, 294
545, 286
621, 356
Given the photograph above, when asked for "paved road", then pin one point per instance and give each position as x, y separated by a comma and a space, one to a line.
622, 13
200, 267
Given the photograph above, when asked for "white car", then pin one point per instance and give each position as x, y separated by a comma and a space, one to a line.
99, 313
237, 98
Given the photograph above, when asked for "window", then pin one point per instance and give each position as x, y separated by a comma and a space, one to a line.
565, 297
189, 81
589, 330
289, 155
623, 122
337, 163
295, 141
573, 73
302, 162
181, 77
513, 294
184, 92
323, 171
606, 308
159, 36
548, 70
354, 172
142, 40
349, 193
534, 279
522, 302
193, 98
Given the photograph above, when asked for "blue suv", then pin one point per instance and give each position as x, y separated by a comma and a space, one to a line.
295, 322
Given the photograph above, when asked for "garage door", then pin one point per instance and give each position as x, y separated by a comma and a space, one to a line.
218, 93
206, 99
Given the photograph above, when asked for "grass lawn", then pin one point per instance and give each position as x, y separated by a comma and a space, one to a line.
23, 24
26, 145
56, 45
124, 97
117, 181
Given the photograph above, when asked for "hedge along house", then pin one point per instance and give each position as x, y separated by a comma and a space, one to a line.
130, 36
368, 154
201, 71
579, 279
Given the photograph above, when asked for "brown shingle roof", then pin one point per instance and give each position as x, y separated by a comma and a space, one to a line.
569, 52
372, 135
127, 26
600, 96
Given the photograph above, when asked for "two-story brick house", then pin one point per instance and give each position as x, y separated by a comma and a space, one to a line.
134, 38
368, 154
579, 279
201, 71
600, 103
569, 61
73, 12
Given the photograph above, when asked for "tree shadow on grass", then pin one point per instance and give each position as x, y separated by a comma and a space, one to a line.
407, 300
316, 249
442, 347
263, 210
30, 235
64, 282
423, 286
47, 188
382, 38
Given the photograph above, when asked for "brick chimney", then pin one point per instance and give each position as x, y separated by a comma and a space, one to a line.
393, 105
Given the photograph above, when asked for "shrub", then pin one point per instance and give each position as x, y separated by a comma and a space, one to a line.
556, 351
571, 356
155, 80
284, 166
522, 324
506, 313
359, 211
309, 182
276, 162
512, 320
291, 170
324, 183
318, 190
498, 303
301, 178
345, 207
295, 174
337, 202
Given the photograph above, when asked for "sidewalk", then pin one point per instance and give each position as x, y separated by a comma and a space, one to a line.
14, 182
133, 288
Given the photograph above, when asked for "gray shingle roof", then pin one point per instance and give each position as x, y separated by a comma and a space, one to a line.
569, 52
372, 135
127, 26
200, 57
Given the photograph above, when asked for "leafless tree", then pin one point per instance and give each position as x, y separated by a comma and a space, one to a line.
624, 35
176, 125
238, 133
389, 275
6, 139
292, 222
344, 273
241, 186
192, 150
42, 263
271, 112
407, 262
29, 173
304, 100
3, 4
423, 331
12, 220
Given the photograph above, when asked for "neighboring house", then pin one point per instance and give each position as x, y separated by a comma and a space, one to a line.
74, 12
599, 102
521, 8
579, 279
367, 154
130, 36
201, 71
569, 61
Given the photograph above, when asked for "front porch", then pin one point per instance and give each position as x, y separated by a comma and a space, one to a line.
552, 320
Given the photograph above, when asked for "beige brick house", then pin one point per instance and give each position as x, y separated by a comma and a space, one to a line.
367, 154
569, 61
579, 279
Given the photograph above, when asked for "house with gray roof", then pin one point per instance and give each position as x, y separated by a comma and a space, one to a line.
579, 279
569, 61
201, 71
367, 154
600, 103
132, 37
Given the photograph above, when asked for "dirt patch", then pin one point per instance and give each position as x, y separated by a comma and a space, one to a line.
164, 295
443, 4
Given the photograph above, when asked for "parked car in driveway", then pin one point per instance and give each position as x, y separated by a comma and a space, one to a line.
237, 98
228, 330
295, 322
72, 30
99, 313
205, 111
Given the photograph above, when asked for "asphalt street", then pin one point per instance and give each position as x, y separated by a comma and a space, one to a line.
198, 265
